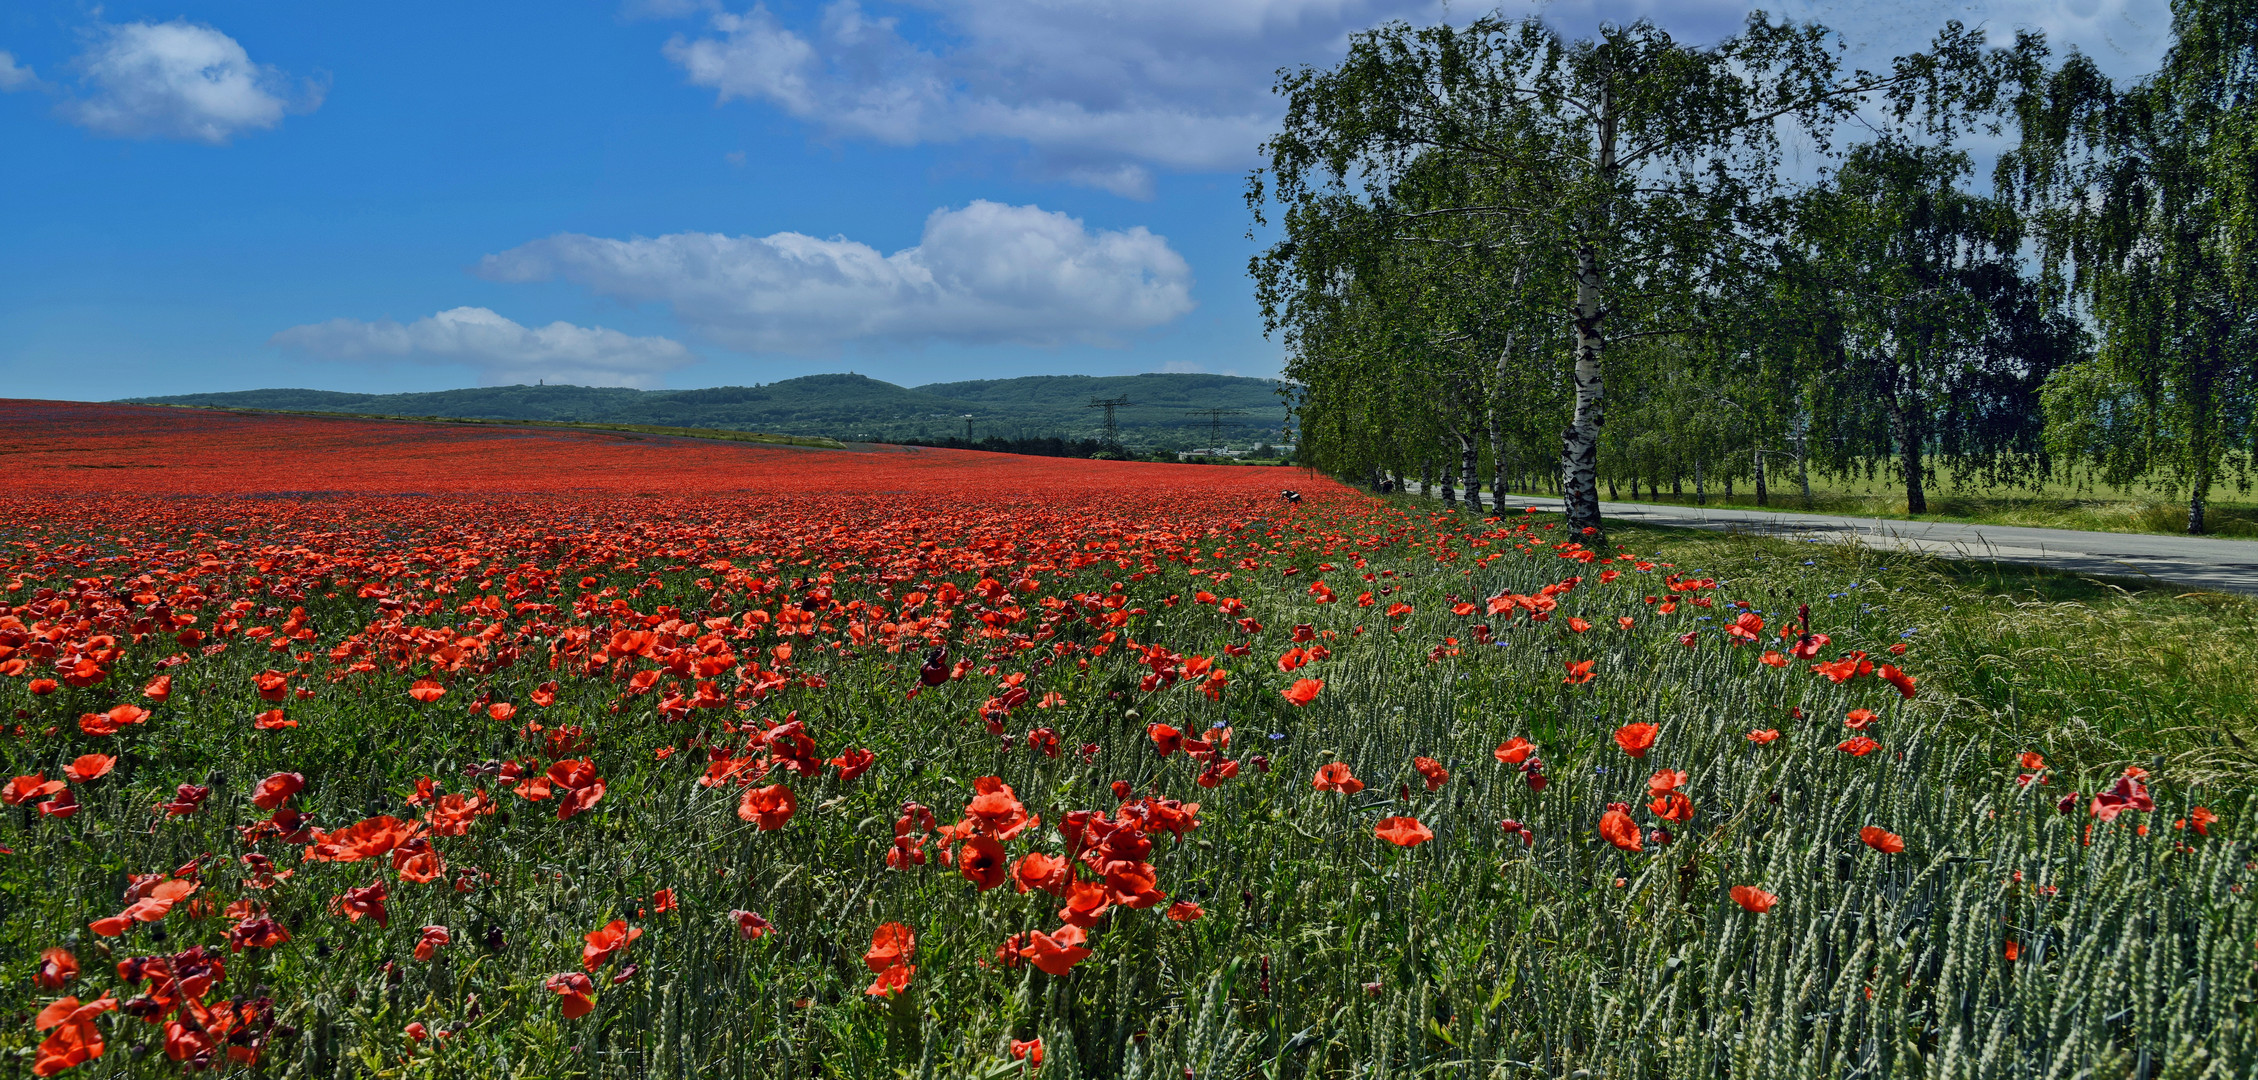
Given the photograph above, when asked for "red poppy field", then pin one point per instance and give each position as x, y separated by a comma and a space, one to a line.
359, 748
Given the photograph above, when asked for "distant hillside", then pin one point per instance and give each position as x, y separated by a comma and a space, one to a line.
843, 406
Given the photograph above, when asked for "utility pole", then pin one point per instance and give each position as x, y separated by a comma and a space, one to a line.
1215, 426
968, 427
1112, 432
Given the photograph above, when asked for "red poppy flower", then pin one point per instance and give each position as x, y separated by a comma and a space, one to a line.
996, 809
750, 925
1086, 902
1665, 780
2128, 794
1029, 1051
1515, 750
90, 767
1861, 719
75, 1039
578, 992
415, 861
277, 789
1882, 840
158, 689
1672, 806
2032, 760
1617, 828
23, 789
891, 981
1335, 776
1432, 771
1579, 671
1134, 885
41, 688
365, 839
602, 944
1057, 952
981, 861
1403, 831
502, 711
257, 932
767, 807
428, 691
1303, 691
1761, 736
432, 939
1859, 746
272, 720
1899, 679
1185, 911
581, 788
364, 902
852, 763
891, 945
272, 685
62, 805
1754, 899
1636, 739
2201, 819
1036, 870
56, 967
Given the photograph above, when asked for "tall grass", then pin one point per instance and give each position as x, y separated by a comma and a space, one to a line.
1325, 952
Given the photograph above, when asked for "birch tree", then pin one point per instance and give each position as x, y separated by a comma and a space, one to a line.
1646, 164
2147, 206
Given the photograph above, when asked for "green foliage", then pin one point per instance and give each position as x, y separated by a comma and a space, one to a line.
1929, 341
1628, 181
2142, 201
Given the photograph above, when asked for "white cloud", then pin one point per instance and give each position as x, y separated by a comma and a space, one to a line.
1103, 91
503, 351
14, 76
1100, 91
179, 80
988, 273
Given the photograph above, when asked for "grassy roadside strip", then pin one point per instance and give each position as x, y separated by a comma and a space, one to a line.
2064, 509
2087, 669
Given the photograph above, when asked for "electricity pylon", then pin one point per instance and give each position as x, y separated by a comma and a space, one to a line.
1215, 426
1112, 431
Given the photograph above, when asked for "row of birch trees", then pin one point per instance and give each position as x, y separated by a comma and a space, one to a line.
1500, 257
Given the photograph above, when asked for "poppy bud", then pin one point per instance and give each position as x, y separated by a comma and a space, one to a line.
1659, 836
1261, 762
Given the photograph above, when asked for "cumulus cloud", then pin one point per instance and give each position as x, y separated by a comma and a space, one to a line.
1100, 92
503, 351
988, 273
15, 76
1103, 92
179, 80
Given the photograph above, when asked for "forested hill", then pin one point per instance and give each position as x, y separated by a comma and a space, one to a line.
844, 406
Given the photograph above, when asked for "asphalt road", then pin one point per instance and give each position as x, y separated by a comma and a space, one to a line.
2196, 561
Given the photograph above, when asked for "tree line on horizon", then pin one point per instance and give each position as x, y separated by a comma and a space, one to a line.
1506, 256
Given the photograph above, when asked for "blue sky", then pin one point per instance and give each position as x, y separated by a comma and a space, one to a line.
210, 195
